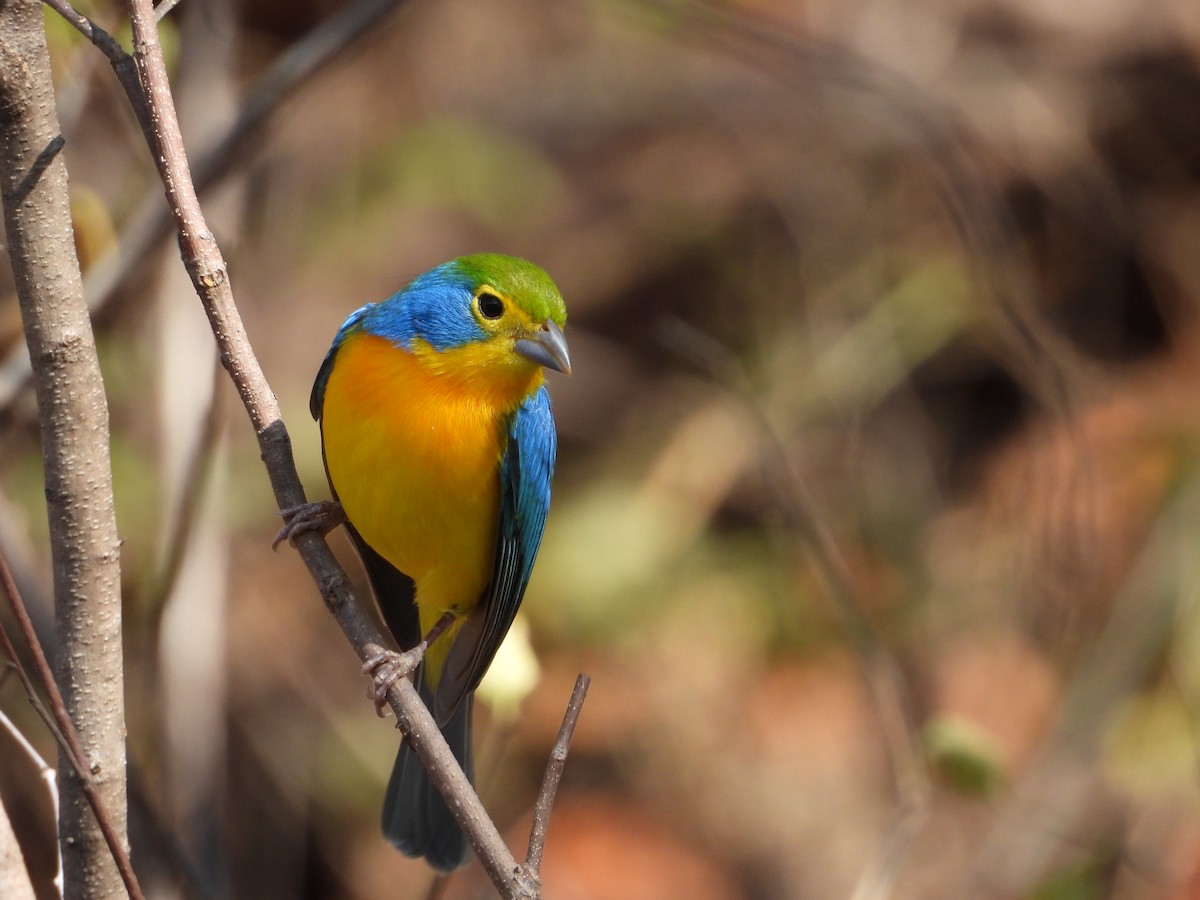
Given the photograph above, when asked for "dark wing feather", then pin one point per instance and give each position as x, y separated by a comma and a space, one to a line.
394, 591
525, 473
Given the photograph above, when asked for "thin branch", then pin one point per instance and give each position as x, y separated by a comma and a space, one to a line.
553, 776
15, 667
206, 266
160, 11
179, 529
151, 223
44, 768
121, 62
61, 726
885, 679
90, 30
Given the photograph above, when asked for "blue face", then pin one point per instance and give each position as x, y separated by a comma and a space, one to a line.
441, 309
435, 307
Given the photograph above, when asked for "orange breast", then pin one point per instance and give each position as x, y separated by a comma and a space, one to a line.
414, 457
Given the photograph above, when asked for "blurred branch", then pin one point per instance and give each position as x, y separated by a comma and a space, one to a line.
150, 224
1044, 362
885, 679
179, 530
1052, 799
163, 8
48, 776
73, 413
14, 876
14, 666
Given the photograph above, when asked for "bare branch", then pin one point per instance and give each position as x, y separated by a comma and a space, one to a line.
49, 777
121, 62
885, 679
179, 530
73, 412
553, 777
161, 11
61, 725
206, 266
151, 222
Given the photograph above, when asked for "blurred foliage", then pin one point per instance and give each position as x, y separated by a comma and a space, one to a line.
964, 755
874, 520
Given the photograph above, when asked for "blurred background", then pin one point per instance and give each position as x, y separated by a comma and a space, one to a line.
876, 514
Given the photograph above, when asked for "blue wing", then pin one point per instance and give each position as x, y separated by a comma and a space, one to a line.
525, 474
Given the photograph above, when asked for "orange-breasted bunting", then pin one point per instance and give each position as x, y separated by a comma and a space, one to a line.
440, 445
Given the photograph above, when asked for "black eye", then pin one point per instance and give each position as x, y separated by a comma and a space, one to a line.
490, 306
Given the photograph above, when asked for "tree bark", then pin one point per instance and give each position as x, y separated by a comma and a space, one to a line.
85, 547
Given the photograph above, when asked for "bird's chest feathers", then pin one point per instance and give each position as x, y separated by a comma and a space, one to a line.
413, 449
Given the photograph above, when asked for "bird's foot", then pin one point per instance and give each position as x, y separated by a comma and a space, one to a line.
386, 668
322, 516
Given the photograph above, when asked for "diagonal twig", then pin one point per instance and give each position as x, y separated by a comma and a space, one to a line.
62, 728
150, 224
553, 776
163, 8
121, 62
885, 679
206, 266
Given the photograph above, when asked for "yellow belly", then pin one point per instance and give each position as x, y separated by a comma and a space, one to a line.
415, 460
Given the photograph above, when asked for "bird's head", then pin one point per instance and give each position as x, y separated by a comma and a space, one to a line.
486, 315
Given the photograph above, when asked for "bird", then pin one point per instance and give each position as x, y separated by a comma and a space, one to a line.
439, 446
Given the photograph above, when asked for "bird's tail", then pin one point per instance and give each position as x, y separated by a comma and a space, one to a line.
416, 819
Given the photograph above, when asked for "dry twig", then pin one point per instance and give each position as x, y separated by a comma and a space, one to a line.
207, 269
60, 723
151, 223
553, 776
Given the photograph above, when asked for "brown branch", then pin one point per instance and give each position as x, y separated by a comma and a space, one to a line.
73, 412
15, 667
151, 223
207, 269
553, 776
121, 62
206, 266
61, 725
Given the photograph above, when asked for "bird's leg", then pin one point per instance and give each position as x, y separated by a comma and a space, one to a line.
388, 667
322, 516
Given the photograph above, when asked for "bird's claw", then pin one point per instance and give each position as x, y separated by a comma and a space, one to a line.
322, 516
386, 668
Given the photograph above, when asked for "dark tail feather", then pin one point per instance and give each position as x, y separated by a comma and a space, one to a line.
415, 817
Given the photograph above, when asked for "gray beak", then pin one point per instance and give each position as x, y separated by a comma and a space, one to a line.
548, 348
